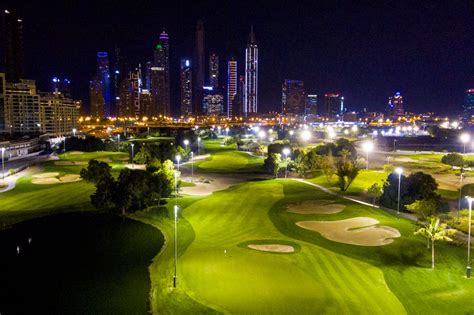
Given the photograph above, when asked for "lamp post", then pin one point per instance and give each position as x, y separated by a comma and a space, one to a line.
305, 135
227, 131
199, 144
178, 158
118, 139
460, 192
175, 278
286, 151
368, 146
468, 268
465, 137
186, 142
132, 145
192, 167
64, 144
3, 163
399, 171
74, 131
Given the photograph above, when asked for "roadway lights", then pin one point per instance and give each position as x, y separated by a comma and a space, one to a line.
286, 152
262, 134
368, 146
399, 171
465, 137
178, 158
305, 135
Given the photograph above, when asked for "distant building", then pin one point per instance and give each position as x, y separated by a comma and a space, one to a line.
58, 114
146, 104
333, 106
97, 101
311, 104
12, 46
22, 106
213, 102
214, 70
199, 72
468, 106
103, 74
395, 106
61, 85
238, 103
231, 85
2, 103
161, 92
349, 117
186, 86
293, 97
251, 76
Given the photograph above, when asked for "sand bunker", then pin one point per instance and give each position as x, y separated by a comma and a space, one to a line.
105, 160
52, 178
320, 206
75, 152
355, 231
68, 163
276, 248
136, 166
46, 175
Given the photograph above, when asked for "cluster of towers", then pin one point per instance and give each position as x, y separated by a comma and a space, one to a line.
146, 91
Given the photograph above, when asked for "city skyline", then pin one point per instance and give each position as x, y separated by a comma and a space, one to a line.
366, 69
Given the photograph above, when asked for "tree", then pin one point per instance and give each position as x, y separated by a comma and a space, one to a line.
96, 172
375, 191
453, 159
434, 231
143, 156
327, 167
272, 163
347, 171
388, 168
424, 208
299, 164
166, 173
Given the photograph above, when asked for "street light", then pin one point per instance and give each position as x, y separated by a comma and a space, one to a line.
199, 143
178, 158
286, 152
399, 171
468, 268
305, 135
74, 131
192, 167
175, 278
227, 131
186, 142
460, 192
3, 163
132, 145
465, 137
368, 146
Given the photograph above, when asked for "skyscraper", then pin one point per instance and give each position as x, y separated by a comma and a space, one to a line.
231, 85
292, 97
2, 103
333, 105
59, 114
22, 106
158, 98
117, 75
395, 106
311, 104
468, 106
251, 76
186, 80
214, 70
12, 42
199, 72
213, 101
161, 61
103, 74
96, 98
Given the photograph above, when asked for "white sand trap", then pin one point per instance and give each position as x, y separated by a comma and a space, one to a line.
3, 183
136, 166
45, 181
276, 248
46, 175
355, 231
316, 207
68, 163
75, 152
70, 178
106, 160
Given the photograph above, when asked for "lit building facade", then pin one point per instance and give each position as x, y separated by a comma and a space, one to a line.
311, 104
2, 103
293, 97
96, 97
103, 74
199, 72
159, 99
468, 107
333, 106
58, 114
146, 104
214, 70
22, 106
186, 87
395, 106
231, 85
213, 102
160, 89
250, 105
12, 46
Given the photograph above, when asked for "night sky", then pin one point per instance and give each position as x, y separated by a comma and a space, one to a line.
365, 49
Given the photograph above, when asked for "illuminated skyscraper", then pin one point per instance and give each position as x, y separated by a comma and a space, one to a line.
214, 70
186, 78
103, 75
311, 104
2, 103
96, 98
213, 102
12, 42
231, 85
163, 89
251, 76
395, 106
158, 98
61, 85
199, 72
292, 97
333, 106
469, 106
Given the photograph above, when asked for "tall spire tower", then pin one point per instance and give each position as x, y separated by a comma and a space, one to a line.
251, 76
199, 72
161, 69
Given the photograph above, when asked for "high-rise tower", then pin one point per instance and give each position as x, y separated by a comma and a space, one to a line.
161, 61
186, 78
251, 76
199, 72
292, 97
12, 42
231, 85
103, 74
395, 106
214, 70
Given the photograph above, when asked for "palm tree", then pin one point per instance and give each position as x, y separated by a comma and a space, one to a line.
434, 231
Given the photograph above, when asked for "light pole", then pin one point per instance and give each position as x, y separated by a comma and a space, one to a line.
186, 142
460, 193
118, 139
132, 145
468, 268
286, 151
178, 158
74, 131
175, 278
192, 167
465, 137
227, 131
3, 163
368, 146
199, 143
64, 144
305, 135
399, 171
